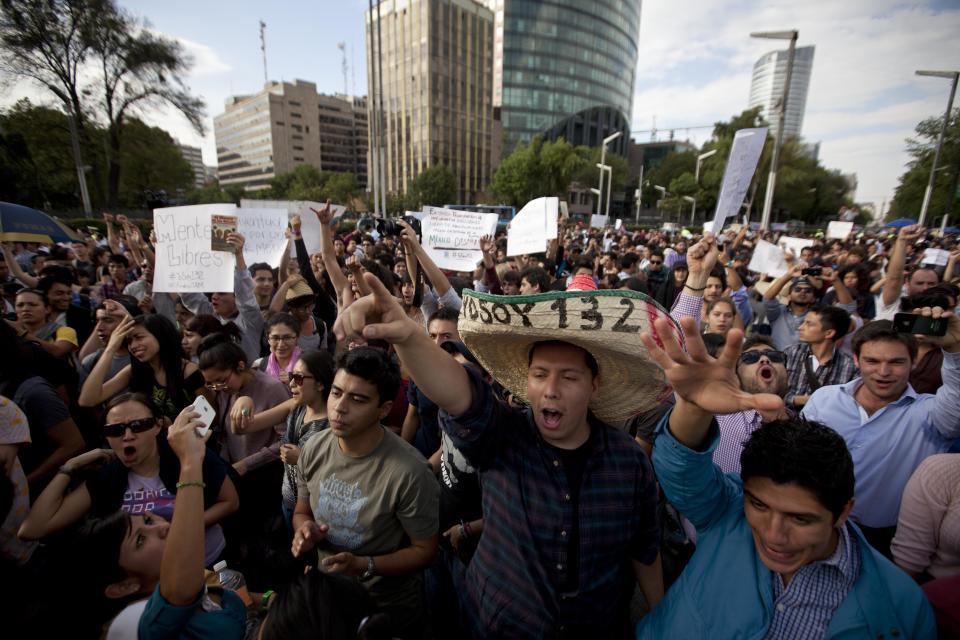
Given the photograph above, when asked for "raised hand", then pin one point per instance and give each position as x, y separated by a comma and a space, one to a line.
378, 315
910, 233
709, 383
702, 256
120, 334
307, 536
324, 215
236, 240
184, 437
949, 341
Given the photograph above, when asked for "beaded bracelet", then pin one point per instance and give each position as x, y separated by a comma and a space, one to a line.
703, 288
191, 483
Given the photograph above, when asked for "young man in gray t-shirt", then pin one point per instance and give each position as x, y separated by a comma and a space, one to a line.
366, 499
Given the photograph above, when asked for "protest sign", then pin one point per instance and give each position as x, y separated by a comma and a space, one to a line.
618, 224
794, 245
599, 222
768, 258
263, 232
936, 257
452, 238
310, 226
839, 230
220, 228
185, 261
741, 165
527, 232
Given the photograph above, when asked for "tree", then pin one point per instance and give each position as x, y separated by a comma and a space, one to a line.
35, 152
49, 41
908, 198
434, 186
543, 169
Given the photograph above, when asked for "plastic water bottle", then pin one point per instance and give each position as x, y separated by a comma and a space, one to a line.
233, 580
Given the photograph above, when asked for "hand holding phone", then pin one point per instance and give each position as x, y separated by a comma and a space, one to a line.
207, 414
920, 325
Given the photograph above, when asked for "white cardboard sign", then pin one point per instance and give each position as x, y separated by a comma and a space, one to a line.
741, 165
309, 225
599, 222
185, 263
528, 231
452, 238
839, 230
937, 257
768, 258
263, 232
794, 245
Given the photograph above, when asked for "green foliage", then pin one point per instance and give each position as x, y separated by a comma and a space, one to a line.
128, 67
434, 186
306, 182
38, 169
545, 169
805, 189
908, 198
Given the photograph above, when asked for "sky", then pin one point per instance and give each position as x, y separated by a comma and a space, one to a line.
694, 67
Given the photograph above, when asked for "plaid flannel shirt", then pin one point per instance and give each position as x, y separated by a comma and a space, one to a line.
839, 369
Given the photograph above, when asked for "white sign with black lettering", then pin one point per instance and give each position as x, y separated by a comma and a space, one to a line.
185, 262
452, 238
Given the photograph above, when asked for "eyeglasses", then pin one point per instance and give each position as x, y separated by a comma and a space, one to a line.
219, 385
753, 357
298, 378
117, 429
287, 339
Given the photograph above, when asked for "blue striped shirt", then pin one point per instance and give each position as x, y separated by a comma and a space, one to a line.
802, 610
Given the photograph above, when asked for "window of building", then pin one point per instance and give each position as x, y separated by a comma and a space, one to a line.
294, 115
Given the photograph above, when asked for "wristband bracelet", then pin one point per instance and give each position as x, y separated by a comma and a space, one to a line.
191, 483
703, 288
265, 600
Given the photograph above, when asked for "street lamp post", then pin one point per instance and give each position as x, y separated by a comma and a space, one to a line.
696, 179
603, 159
943, 130
693, 207
663, 195
772, 178
609, 170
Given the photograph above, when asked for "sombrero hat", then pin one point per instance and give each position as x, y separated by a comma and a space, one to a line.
499, 331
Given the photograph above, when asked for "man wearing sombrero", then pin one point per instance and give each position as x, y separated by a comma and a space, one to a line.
569, 502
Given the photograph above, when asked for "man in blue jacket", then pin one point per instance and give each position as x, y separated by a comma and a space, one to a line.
776, 556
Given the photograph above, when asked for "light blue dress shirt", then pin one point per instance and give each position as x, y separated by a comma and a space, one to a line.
890, 444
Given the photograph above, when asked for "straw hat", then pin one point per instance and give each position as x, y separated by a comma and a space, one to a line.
300, 289
499, 331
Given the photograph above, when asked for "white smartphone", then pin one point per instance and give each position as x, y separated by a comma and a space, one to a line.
207, 414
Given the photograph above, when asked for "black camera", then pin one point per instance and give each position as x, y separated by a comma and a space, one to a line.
390, 226
813, 271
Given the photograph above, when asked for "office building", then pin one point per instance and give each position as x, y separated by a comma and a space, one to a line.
284, 126
437, 66
565, 68
195, 158
766, 88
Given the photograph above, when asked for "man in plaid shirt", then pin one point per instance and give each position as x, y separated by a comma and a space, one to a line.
816, 361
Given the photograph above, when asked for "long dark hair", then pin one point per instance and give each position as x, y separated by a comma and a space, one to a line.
321, 367
668, 291
170, 355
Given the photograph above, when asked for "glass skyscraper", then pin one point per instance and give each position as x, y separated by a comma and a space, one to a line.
565, 68
766, 88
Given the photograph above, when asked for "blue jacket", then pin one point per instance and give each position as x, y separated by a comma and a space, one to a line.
726, 590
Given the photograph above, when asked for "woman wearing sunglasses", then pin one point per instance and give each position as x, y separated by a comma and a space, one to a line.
138, 476
305, 414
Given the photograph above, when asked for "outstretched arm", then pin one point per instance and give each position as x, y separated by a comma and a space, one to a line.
893, 284
380, 316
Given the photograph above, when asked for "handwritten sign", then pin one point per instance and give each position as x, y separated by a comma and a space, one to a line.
185, 262
310, 226
263, 231
599, 222
839, 230
794, 245
527, 232
768, 258
937, 257
741, 165
452, 238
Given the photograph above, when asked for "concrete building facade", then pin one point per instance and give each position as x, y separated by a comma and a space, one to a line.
766, 88
194, 156
284, 126
437, 79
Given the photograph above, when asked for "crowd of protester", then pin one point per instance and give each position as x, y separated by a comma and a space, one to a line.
370, 475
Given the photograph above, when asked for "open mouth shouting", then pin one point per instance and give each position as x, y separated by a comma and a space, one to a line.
551, 418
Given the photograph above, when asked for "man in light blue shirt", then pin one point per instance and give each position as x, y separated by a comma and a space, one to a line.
890, 428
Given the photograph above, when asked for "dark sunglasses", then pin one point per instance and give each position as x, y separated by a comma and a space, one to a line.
753, 357
802, 290
117, 430
299, 378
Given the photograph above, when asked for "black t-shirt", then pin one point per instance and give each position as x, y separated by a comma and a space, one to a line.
574, 464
